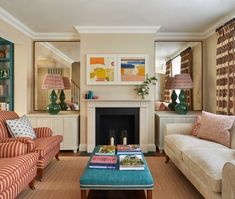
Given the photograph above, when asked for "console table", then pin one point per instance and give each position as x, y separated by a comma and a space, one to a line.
65, 124
164, 117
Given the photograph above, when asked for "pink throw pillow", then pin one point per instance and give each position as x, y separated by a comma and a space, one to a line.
197, 125
216, 128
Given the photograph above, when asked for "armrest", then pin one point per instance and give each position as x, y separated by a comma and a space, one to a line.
30, 143
42, 132
12, 149
228, 180
178, 128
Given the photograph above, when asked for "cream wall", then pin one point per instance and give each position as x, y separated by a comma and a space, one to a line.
209, 77
116, 44
22, 67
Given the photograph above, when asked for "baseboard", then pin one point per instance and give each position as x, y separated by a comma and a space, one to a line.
151, 148
82, 147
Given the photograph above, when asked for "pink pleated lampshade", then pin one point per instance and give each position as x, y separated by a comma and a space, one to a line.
169, 82
66, 82
182, 81
53, 81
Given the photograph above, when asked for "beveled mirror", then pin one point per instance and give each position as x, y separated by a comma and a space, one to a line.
57, 57
166, 51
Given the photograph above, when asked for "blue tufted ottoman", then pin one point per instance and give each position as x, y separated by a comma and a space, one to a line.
108, 179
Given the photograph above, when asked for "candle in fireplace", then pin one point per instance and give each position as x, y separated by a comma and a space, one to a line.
124, 141
112, 140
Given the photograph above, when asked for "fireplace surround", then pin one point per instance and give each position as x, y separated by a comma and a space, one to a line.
140, 104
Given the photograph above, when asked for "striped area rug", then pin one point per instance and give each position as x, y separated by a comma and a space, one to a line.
61, 181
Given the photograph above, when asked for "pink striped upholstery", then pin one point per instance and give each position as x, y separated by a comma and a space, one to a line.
44, 161
6, 115
42, 132
16, 173
12, 149
45, 145
30, 143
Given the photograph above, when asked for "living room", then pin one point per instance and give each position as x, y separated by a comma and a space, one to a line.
96, 29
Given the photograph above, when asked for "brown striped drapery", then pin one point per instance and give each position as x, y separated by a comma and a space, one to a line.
186, 67
167, 94
225, 69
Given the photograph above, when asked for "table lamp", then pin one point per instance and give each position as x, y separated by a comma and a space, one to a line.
168, 86
67, 86
182, 81
53, 81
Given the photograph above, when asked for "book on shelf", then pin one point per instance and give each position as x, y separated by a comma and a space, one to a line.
128, 149
131, 162
106, 150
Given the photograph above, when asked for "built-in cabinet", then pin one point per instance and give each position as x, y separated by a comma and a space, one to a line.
164, 117
6, 75
63, 124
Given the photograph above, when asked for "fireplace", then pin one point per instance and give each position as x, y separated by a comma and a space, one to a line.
117, 126
141, 105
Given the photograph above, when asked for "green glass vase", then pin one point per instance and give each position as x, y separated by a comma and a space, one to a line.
173, 103
62, 104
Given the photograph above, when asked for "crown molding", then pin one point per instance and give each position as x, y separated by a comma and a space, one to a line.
11, 20
57, 52
117, 29
178, 36
56, 36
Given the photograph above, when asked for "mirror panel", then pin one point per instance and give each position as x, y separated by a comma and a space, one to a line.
57, 57
170, 50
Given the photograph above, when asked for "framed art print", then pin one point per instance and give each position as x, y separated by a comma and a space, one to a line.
132, 68
101, 69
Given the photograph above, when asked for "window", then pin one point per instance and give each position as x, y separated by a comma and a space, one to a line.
176, 65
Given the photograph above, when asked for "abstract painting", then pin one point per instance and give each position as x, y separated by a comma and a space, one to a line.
132, 69
101, 69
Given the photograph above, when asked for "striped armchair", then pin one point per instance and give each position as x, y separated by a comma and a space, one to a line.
46, 145
17, 169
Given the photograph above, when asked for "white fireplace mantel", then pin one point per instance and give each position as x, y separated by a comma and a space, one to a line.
142, 104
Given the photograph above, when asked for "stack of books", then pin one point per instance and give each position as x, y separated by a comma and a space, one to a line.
106, 150
104, 158
131, 162
129, 149
103, 162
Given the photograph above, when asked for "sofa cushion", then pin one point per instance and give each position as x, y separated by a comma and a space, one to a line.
216, 128
207, 164
197, 125
21, 127
177, 143
11, 169
46, 144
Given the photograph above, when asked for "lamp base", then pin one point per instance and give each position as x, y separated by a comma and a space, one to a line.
182, 107
53, 108
173, 103
63, 105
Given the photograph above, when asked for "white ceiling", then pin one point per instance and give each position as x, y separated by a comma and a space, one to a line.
60, 16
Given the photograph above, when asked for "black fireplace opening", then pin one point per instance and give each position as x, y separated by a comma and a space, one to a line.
117, 123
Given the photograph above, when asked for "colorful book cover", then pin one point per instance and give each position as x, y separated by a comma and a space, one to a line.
102, 159
131, 162
101, 167
106, 150
128, 149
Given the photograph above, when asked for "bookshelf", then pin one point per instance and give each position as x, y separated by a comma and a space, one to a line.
6, 75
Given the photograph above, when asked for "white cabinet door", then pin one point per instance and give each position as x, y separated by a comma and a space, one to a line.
62, 124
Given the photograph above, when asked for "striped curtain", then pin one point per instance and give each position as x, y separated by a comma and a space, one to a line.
225, 69
167, 94
186, 67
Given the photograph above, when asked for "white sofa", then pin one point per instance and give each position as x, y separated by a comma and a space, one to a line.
208, 165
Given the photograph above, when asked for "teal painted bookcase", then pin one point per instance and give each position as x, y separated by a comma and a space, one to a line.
6, 75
